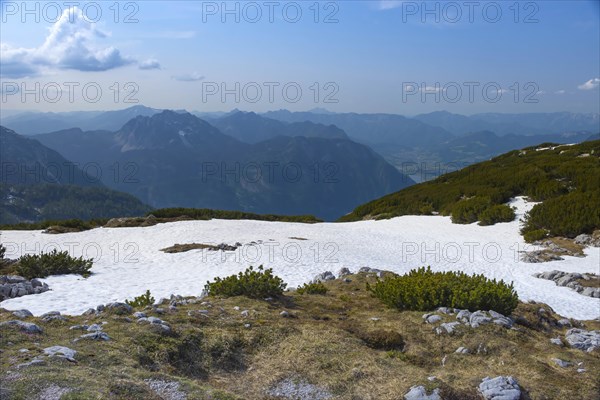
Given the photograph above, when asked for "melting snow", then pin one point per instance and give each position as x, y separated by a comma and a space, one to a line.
128, 261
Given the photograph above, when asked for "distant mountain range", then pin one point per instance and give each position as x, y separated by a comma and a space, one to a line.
424, 146
527, 124
37, 183
33, 123
173, 159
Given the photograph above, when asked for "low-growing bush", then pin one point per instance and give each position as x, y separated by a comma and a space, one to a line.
312, 288
141, 301
425, 290
53, 263
257, 284
467, 211
495, 214
535, 235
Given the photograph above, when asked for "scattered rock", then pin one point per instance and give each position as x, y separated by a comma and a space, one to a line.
139, 314
53, 392
447, 327
343, 272
60, 351
27, 327
564, 322
198, 313
462, 350
245, 313
12, 286
52, 316
94, 328
98, 335
22, 313
284, 314
368, 270
500, 388
571, 280
557, 342
463, 315
324, 276
79, 328
432, 319
583, 340
479, 318
561, 363
419, 393
298, 390
166, 390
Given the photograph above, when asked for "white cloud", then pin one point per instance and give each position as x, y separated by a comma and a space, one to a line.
70, 44
589, 85
150, 63
389, 4
192, 77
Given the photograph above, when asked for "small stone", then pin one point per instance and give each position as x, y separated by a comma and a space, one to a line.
432, 319
463, 315
420, 393
245, 313
94, 328
462, 350
247, 326
564, 322
23, 350
60, 351
27, 327
98, 335
581, 370
447, 327
284, 314
154, 320
500, 388
236, 308
22, 313
139, 314
561, 363
78, 327
343, 272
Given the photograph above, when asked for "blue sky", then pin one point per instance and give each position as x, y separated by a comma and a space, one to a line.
375, 56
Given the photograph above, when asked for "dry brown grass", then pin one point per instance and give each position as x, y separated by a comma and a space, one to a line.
323, 344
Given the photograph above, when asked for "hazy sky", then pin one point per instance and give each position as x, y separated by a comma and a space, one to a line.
363, 56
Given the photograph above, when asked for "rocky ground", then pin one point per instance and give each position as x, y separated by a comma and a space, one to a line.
554, 249
342, 345
585, 284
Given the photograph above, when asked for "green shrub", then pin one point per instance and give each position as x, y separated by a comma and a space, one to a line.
424, 290
568, 215
141, 301
53, 263
313, 288
535, 235
254, 284
467, 211
495, 214
2, 251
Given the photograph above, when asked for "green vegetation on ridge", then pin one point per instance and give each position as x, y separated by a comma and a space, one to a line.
565, 178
